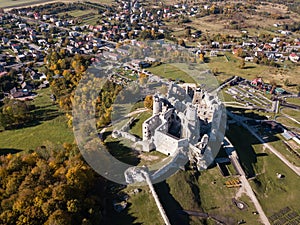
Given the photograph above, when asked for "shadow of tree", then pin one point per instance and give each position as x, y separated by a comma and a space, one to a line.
39, 114
5, 151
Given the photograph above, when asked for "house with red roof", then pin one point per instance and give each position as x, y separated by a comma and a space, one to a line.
294, 57
257, 81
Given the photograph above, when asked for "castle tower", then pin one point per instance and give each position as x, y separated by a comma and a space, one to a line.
191, 125
157, 105
191, 113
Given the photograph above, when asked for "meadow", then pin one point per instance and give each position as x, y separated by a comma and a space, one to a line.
21, 3
49, 126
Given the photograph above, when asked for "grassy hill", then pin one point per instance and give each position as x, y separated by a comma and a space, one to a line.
50, 125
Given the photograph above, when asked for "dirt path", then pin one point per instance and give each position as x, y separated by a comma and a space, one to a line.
255, 201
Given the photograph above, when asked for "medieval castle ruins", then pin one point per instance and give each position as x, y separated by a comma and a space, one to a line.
187, 124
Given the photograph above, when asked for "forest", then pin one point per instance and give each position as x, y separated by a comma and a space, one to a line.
51, 185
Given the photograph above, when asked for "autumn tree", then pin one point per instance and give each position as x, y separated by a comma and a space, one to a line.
201, 57
148, 102
143, 78
181, 42
242, 64
52, 186
163, 89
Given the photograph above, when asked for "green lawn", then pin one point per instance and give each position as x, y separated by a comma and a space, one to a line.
293, 100
108, 2
77, 13
273, 193
251, 70
92, 21
141, 209
230, 68
136, 129
227, 97
121, 150
188, 191
144, 208
291, 112
50, 126
282, 148
287, 122
211, 185
171, 72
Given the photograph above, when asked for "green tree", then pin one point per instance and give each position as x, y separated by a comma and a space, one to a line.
298, 88
188, 32
15, 113
287, 82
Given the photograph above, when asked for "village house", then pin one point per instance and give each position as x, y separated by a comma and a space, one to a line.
294, 57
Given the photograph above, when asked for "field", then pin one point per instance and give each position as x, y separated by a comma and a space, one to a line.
211, 185
8, 4
108, 2
252, 22
22, 3
193, 73
273, 193
226, 69
50, 126
78, 13
90, 16
293, 101
288, 123
291, 112
171, 72
282, 148
186, 191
